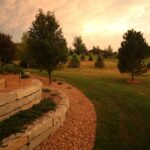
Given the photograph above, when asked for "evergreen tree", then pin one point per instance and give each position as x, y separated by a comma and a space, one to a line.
91, 57
83, 57
79, 46
99, 62
132, 52
47, 45
74, 62
23, 51
7, 48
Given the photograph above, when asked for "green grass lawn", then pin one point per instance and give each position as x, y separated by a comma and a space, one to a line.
123, 109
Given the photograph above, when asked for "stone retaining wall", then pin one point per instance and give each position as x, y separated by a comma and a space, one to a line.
39, 130
2, 83
21, 99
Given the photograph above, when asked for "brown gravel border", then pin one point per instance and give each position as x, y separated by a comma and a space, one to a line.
79, 129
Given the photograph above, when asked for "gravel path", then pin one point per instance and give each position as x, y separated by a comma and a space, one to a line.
79, 129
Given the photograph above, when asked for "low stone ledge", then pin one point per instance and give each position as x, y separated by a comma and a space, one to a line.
6, 98
21, 99
39, 130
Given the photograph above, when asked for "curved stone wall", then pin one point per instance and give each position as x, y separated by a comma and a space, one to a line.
39, 130
20, 99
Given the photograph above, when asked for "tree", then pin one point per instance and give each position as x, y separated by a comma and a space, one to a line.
23, 51
47, 45
132, 52
91, 57
70, 50
96, 50
74, 62
79, 46
83, 57
99, 62
108, 52
7, 48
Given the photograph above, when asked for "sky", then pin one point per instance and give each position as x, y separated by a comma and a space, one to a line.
98, 22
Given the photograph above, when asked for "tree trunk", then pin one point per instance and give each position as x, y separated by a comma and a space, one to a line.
132, 76
50, 76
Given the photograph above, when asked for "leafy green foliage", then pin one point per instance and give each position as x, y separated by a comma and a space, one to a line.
91, 57
7, 48
2, 71
74, 62
83, 57
11, 68
79, 46
99, 62
132, 52
148, 65
96, 50
47, 45
23, 51
17, 122
108, 52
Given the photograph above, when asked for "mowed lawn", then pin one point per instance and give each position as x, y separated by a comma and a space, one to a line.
123, 109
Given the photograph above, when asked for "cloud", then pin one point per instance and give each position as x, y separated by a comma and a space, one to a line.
99, 22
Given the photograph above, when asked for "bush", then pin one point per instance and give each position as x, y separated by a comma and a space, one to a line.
23, 64
20, 120
25, 75
60, 83
46, 90
18, 70
148, 65
74, 62
91, 57
9, 68
82, 57
99, 62
1, 69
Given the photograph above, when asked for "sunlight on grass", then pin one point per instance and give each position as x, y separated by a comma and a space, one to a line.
123, 109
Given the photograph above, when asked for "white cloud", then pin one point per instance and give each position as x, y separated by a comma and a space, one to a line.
100, 22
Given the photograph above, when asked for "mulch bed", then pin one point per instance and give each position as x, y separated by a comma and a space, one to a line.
79, 129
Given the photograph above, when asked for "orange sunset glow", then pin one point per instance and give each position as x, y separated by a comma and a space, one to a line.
99, 22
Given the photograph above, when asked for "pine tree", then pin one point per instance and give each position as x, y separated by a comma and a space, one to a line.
46, 42
74, 62
99, 62
132, 52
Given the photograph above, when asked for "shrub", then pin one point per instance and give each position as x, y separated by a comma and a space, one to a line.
82, 57
18, 70
60, 83
148, 65
1, 69
20, 120
99, 62
74, 62
9, 68
23, 64
54, 80
25, 75
91, 57
46, 90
